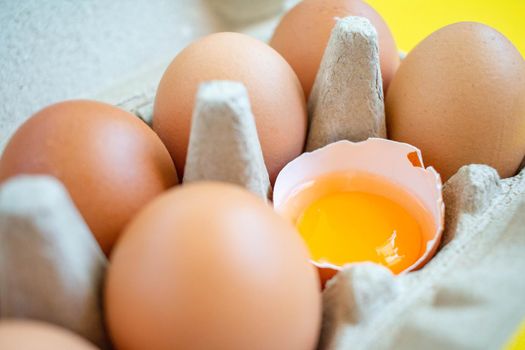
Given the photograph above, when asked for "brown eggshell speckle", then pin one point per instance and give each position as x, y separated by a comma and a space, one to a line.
276, 97
303, 33
33, 335
211, 266
459, 97
110, 161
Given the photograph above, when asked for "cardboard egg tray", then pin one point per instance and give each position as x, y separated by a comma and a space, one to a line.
471, 295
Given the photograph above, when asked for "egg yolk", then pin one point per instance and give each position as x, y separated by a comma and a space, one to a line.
356, 226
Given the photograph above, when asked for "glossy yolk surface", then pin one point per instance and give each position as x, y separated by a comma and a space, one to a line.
356, 226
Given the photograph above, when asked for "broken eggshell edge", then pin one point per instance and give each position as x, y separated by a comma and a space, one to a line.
396, 161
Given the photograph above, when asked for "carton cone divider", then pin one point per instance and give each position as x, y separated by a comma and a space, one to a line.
223, 144
51, 266
346, 102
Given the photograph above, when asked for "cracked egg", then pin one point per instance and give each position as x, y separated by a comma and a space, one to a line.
365, 201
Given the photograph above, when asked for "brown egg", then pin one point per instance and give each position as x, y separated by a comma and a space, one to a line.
276, 97
110, 161
33, 335
303, 33
211, 266
459, 96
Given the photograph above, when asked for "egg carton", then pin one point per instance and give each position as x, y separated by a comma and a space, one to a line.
470, 295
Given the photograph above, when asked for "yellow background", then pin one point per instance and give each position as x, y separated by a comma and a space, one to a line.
518, 341
413, 20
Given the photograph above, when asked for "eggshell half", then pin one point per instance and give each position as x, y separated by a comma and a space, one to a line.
399, 162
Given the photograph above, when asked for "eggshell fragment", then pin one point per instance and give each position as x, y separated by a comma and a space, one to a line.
399, 162
459, 97
223, 133
347, 98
